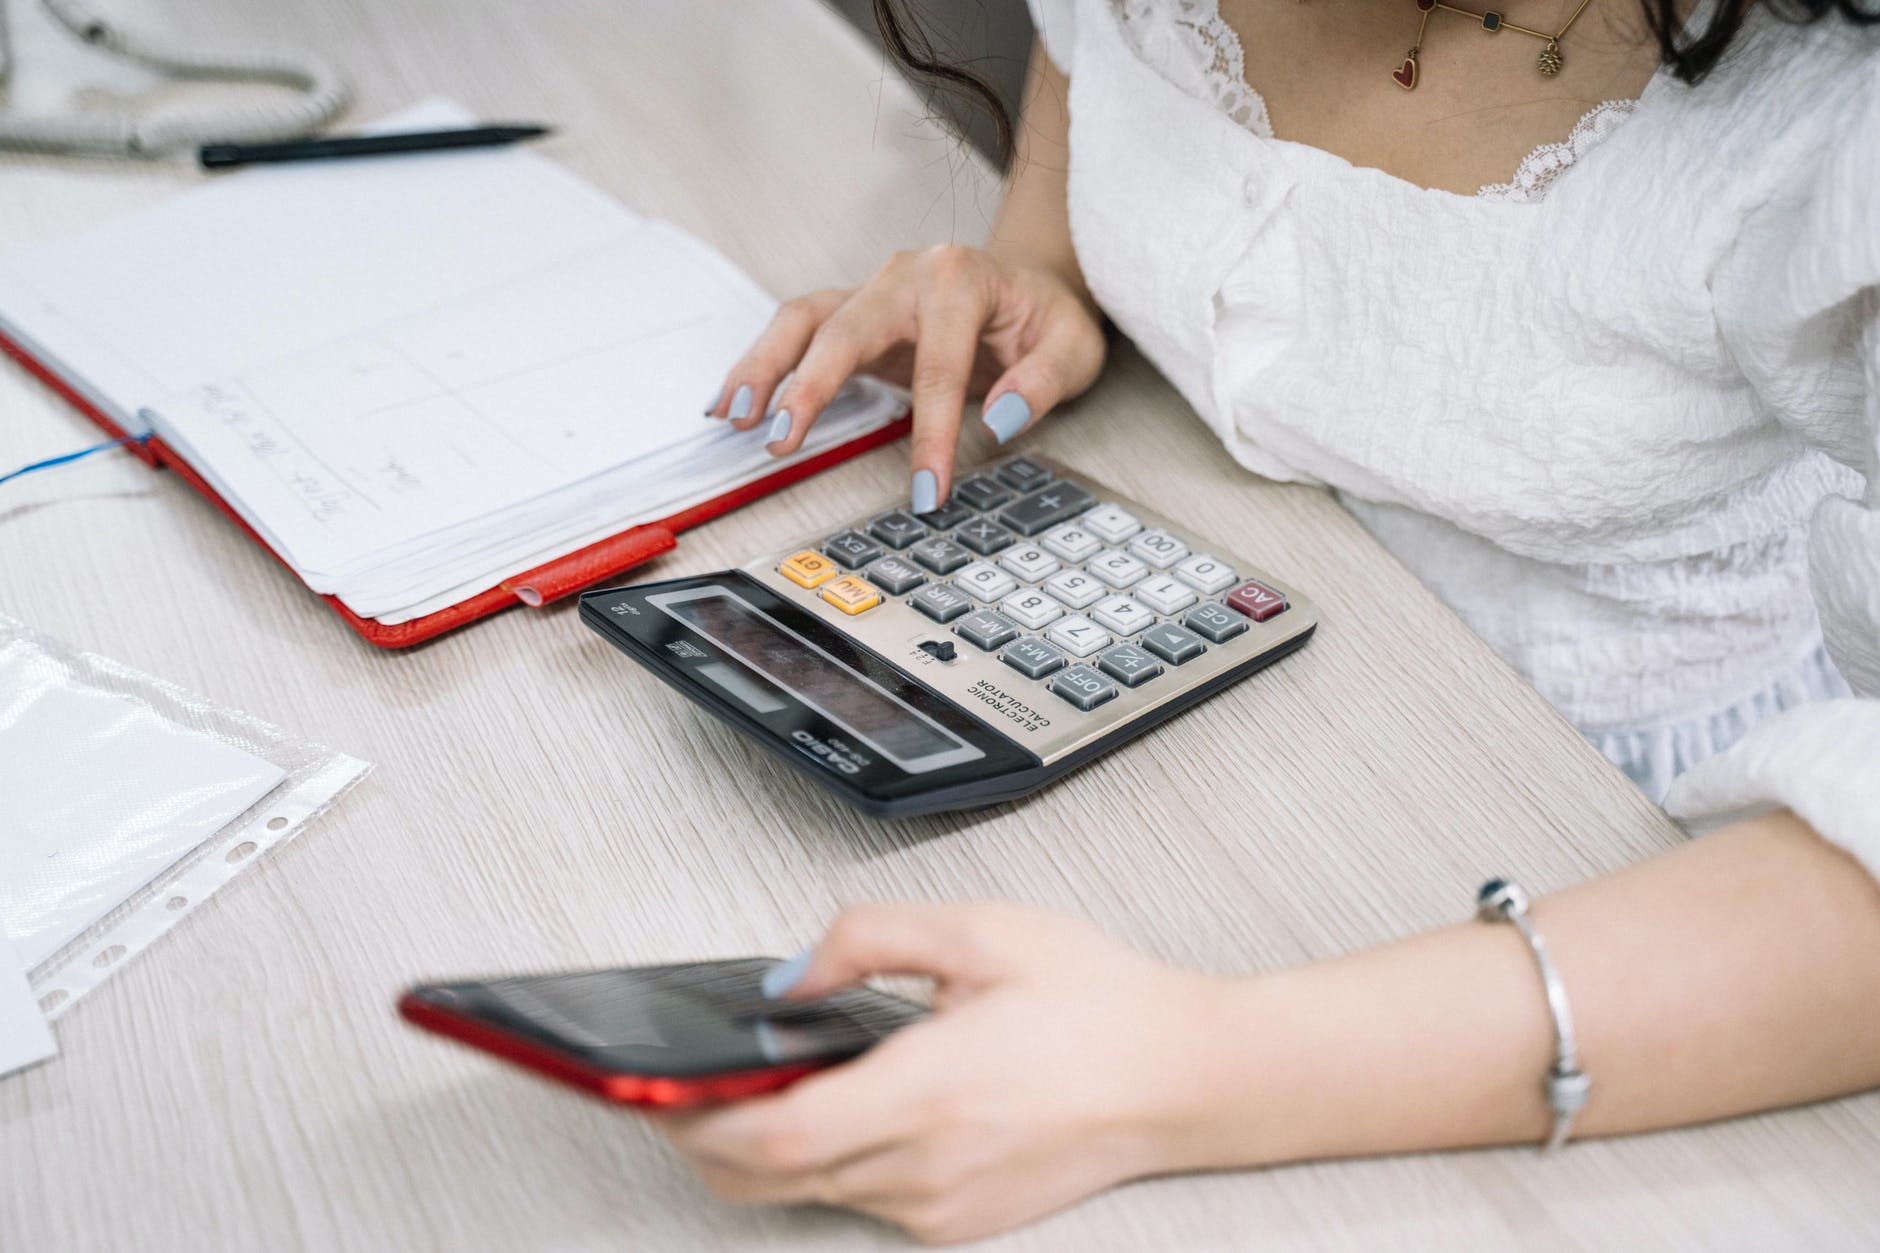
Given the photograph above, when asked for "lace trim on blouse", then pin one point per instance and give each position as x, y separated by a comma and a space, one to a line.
1189, 43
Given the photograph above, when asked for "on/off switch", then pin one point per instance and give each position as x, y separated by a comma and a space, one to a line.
940, 650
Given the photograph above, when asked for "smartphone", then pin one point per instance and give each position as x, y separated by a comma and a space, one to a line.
664, 1036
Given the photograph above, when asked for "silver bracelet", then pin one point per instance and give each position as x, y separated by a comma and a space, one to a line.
1503, 900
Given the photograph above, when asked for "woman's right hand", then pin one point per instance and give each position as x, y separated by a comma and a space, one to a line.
948, 323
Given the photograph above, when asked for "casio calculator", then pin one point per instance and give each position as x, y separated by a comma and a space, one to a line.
915, 663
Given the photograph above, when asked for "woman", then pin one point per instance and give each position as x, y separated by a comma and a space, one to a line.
1609, 381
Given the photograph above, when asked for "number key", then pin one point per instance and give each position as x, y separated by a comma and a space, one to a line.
1164, 594
1029, 562
1122, 615
1031, 610
985, 580
1206, 573
1118, 569
1074, 588
1077, 635
1158, 548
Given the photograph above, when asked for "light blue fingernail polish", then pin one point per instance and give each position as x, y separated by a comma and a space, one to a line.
779, 427
785, 975
926, 491
1006, 416
741, 403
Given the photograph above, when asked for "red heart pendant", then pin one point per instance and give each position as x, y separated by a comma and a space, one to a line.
1406, 74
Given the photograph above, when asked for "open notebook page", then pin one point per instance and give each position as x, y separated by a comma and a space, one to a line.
413, 377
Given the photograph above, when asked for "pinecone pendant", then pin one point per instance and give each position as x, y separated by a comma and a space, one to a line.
1550, 61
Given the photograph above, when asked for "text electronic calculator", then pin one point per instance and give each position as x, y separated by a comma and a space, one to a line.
948, 660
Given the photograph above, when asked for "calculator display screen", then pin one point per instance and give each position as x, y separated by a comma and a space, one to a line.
877, 718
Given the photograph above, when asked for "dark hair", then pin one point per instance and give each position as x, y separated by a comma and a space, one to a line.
1691, 57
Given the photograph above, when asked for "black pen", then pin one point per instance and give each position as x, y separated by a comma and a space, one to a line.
223, 156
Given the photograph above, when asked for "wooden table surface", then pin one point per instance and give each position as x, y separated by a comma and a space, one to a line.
539, 803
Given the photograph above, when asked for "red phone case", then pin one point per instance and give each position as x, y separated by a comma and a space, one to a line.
658, 1091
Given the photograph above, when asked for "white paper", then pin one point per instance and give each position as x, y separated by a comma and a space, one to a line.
413, 375
24, 1036
101, 796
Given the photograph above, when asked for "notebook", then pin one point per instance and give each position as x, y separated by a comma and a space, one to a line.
434, 386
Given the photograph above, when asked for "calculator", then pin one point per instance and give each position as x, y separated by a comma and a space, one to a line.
916, 663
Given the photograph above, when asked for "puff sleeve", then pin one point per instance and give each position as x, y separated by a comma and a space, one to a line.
1798, 303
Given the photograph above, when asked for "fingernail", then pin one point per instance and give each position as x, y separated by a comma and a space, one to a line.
740, 403
1006, 416
779, 427
926, 491
785, 975
716, 397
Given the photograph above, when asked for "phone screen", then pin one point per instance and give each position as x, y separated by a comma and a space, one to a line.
704, 1018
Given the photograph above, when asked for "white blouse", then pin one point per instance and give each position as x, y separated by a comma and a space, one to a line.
1621, 413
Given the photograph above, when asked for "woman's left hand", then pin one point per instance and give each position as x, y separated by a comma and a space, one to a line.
1057, 1062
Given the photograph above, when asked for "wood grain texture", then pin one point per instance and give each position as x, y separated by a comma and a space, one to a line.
539, 803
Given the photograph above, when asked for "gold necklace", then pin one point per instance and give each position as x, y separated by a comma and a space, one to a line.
1548, 63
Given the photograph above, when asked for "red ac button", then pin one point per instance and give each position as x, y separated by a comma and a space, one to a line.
1256, 600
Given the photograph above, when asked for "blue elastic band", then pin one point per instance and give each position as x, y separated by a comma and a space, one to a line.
49, 462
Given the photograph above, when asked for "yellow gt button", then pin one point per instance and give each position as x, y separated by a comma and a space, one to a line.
808, 569
851, 595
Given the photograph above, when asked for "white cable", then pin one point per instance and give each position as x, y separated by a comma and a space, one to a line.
322, 94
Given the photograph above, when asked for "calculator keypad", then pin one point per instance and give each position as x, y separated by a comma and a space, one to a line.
1079, 596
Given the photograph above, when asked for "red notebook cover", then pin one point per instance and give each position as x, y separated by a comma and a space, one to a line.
552, 581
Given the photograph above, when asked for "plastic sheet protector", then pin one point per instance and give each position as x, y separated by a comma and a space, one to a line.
125, 801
